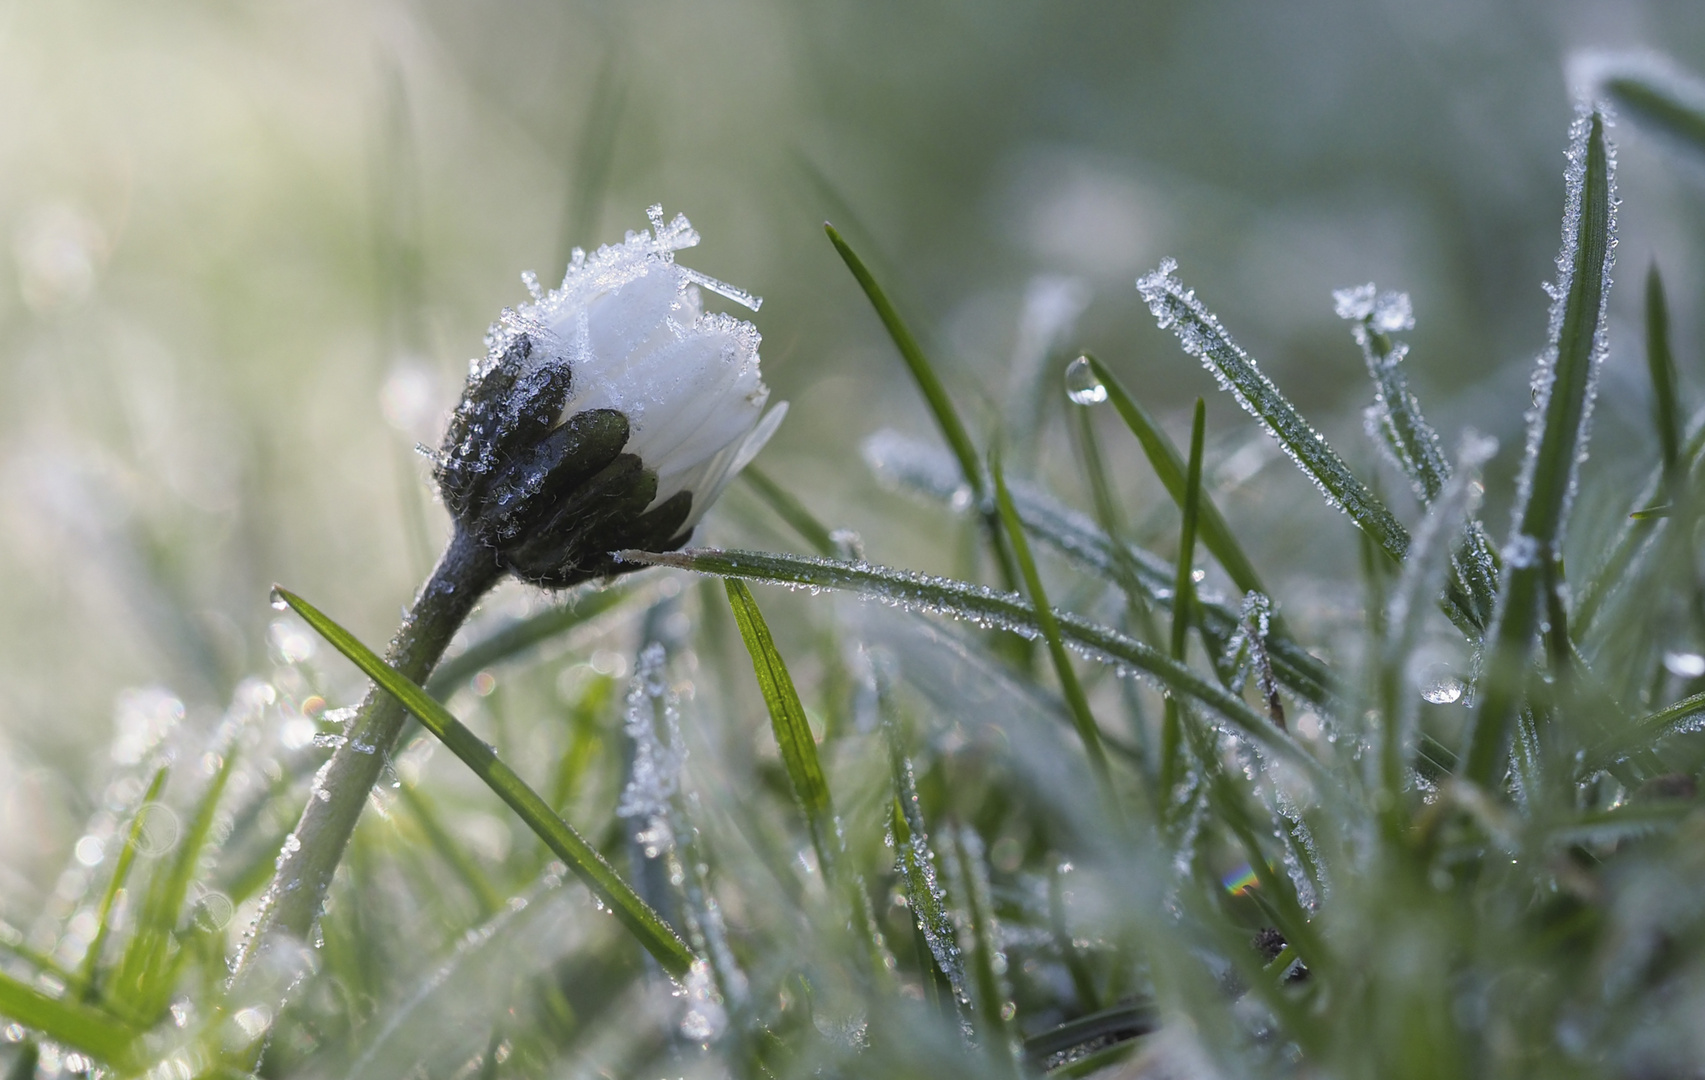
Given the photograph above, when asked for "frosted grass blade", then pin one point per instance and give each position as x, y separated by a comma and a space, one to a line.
787, 720
1423, 575
1072, 690
522, 634
1564, 382
1200, 333
914, 859
1169, 466
1396, 414
789, 509
652, 932
919, 468
1683, 715
985, 607
79, 1026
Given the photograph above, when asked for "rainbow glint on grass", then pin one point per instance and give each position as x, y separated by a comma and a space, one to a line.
1241, 880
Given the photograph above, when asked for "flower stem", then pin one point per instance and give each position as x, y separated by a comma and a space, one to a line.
292, 903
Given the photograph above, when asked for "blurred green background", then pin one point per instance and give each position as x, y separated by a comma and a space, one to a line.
251, 247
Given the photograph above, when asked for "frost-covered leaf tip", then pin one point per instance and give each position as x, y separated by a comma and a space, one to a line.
608, 413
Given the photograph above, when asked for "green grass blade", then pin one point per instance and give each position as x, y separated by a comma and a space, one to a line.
1660, 363
120, 874
148, 969
1169, 466
1548, 473
985, 607
923, 373
915, 860
460, 862
652, 932
1070, 687
1183, 589
1121, 1022
1637, 529
519, 636
1413, 443
71, 1023
914, 467
1657, 97
787, 719
1176, 308
790, 510
1079, 540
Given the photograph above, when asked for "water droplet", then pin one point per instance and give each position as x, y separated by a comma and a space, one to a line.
1685, 665
1440, 687
278, 601
1081, 384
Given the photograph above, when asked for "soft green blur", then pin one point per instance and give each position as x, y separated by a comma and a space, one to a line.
250, 249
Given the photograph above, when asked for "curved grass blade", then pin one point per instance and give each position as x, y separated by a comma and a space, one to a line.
790, 509
998, 1034
521, 635
652, 932
1183, 589
1682, 716
986, 607
1656, 95
1070, 687
120, 874
935, 396
1120, 1023
1413, 443
787, 720
1170, 467
1176, 308
1566, 381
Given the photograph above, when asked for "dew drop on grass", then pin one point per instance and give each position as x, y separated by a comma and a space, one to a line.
278, 601
1082, 387
1440, 687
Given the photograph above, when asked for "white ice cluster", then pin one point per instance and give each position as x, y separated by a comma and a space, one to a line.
630, 322
1386, 312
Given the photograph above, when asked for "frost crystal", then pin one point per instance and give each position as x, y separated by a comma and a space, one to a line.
654, 725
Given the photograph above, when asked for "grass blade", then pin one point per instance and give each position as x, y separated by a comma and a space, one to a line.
120, 874
147, 971
935, 396
71, 1023
790, 510
792, 730
1072, 690
1170, 467
653, 933
923, 373
913, 466
1176, 308
519, 636
1566, 383
1655, 95
1183, 589
985, 607
1660, 362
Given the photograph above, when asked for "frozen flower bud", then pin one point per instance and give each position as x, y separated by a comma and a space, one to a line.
607, 414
